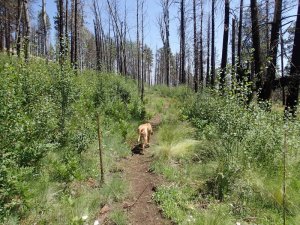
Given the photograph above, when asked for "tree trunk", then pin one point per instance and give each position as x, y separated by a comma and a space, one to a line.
293, 86
256, 43
196, 66
239, 50
138, 44
201, 47
27, 32
225, 46
282, 65
45, 47
182, 43
267, 88
208, 51
233, 47
61, 32
18, 33
143, 74
212, 71
75, 34
66, 26
168, 52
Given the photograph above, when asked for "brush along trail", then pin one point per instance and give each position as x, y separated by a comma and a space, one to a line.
139, 205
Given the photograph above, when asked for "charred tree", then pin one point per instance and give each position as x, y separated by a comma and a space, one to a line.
208, 52
182, 79
239, 47
27, 31
196, 61
256, 43
267, 87
293, 85
213, 65
225, 46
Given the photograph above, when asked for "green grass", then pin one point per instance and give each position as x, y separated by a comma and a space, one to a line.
225, 166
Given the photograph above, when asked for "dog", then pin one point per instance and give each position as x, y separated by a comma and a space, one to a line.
145, 131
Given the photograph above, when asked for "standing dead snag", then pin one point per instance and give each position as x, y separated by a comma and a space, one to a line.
100, 151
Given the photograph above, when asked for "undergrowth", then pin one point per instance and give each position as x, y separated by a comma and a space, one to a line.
48, 131
225, 165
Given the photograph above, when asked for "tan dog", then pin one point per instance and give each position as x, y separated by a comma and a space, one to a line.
145, 131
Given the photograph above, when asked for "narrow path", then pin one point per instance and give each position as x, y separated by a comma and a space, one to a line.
140, 206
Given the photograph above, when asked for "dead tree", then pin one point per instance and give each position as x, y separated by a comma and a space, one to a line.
225, 45
293, 85
196, 61
213, 65
164, 24
239, 49
208, 51
182, 43
27, 31
201, 47
256, 43
267, 87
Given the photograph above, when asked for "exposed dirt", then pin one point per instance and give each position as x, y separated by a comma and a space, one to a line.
139, 206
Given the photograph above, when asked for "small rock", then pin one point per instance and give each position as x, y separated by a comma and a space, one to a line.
126, 205
104, 209
96, 222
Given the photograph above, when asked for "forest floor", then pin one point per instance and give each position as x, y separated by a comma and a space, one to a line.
139, 205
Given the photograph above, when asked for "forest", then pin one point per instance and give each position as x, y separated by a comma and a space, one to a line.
218, 81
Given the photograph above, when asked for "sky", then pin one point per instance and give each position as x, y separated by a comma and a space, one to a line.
152, 11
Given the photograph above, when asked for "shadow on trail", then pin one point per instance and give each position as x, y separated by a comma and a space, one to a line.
137, 149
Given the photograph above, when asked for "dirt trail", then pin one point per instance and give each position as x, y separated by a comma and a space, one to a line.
139, 206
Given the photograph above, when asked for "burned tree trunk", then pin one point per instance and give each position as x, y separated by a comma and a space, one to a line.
182, 43
239, 49
225, 46
196, 65
293, 86
27, 31
267, 87
212, 71
256, 43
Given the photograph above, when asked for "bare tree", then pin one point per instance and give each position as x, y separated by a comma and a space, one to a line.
196, 61
27, 31
201, 46
164, 24
225, 45
208, 51
293, 86
256, 42
182, 79
239, 50
212, 70
267, 87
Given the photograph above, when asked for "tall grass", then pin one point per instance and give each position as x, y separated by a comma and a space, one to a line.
235, 168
